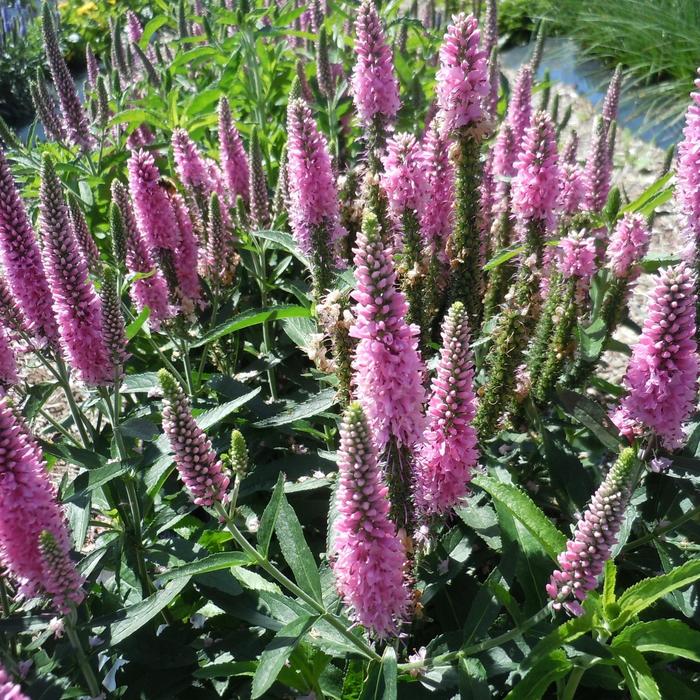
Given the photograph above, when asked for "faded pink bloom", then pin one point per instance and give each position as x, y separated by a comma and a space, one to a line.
29, 506
8, 364
374, 85
536, 183
370, 560
504, 157
387, 364
598, 172
313, 196
140, 137
519, 111
21, 259
199, 468
662, 374
572, 189
9, 690
628, 245
448, 451
93, 71
234, 161
612, 98
462, 83
154, 213
186, 257
688, 169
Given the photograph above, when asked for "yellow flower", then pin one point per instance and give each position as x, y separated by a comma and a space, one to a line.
86, 8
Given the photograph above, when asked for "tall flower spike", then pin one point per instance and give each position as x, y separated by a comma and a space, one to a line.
190, 165
598, 170
195, 459
46, 110
259, 198
570, 152
448, 451
114, 329
583, 560
369, 560
628, 245
186, 257
490, 44
388, 370
535, 185
438, 215
28, 502
572, 189
8, 365
22, 259
612, 98
313, 197
375, 88
234, 161
9, 690
462, 83
74, 115
154, 213
324, 76
11, 315
86, 243
688, 174
151, 291
93, 70
662, 373
76, 304
519, 111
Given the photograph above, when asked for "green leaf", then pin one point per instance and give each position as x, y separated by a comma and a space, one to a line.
591, 415
381, 683
226, 669
295, 550
503, 257
655, 261
609, 584
277, 652
653, 196
648, 591
312, 407
269, 517
135, 326
523, 509
286, 242
213, 562
151, 28
140, 383
472, 679
671, 637
253, 317
591, 339
91, 479
136, 616
553, 667
252, 581
637, 673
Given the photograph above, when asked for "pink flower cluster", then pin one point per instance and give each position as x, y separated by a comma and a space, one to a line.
21, 258
313, 196
572, 188
577, 255
234, 161
448, 452
189, 163
462, 82
374, 85
688, 171
628, 245
9, 690
403, 178
519, 112
29, 506
76, 304
369, 559
438, 213
662, 374
387, 364
200, 469
598, 172
536, 184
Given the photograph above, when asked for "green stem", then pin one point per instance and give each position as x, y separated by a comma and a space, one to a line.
278, 576
267, 342
83, 661
205, 349
572, 684
662, 530
78, 418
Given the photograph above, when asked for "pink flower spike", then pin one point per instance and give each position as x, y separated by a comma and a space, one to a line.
448, 452
190, 165
403, 178
374, 85
462, 82
688, 169
234, 161
628, 245
387, 364
572, 189
438, 212
186, 257
577, 255
519, 111
662, 374
369, 559
598, 172
8, 364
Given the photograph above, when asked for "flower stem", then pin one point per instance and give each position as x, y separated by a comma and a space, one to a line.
287, 583
83, 661
572, 684
662, 530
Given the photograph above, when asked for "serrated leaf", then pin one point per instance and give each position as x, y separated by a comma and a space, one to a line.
523, 509
671, 637
645, 593
277, 652
253, 581
254, 317
91, 479
296, 551
553, 667
312, 407
638, 678
269, 517
140, 383
213, 562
